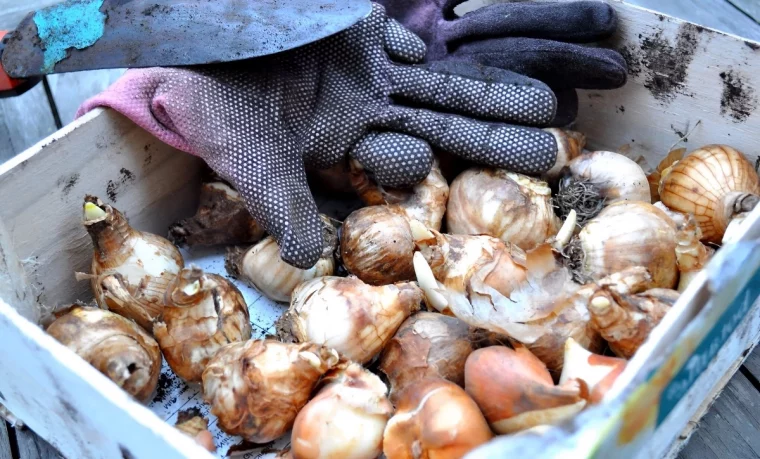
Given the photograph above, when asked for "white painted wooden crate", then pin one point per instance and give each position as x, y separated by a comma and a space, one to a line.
689, 357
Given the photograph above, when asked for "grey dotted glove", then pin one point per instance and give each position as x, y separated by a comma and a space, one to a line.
259, 123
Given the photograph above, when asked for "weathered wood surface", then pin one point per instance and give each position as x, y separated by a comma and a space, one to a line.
32, 446
720, 15
731, 429
24, 121
5, 442
753, 367
109, 157
749, 7
71, 89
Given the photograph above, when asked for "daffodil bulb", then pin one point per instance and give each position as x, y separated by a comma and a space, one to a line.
425, 202
261, 266
130, 268
345, 314
714, 183
512, 207
202, 312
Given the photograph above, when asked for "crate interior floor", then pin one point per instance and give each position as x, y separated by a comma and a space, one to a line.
731, 429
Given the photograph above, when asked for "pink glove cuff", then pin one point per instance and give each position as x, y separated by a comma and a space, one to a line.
134, 95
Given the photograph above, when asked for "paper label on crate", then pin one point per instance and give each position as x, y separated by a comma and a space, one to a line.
725, 275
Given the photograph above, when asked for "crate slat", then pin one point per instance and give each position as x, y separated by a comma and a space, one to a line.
5, 443
753, 364
32, 446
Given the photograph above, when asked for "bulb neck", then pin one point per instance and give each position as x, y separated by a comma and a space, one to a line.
731, 205
111, 236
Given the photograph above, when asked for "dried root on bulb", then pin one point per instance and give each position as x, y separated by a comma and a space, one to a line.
261, 266
425, 201
257, 388
130, 268
594, 180
627, 234
202, 313
115, 346
221, 219
345, 314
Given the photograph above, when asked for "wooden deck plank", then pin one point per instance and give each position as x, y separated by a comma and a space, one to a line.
749, 7
730, 429
24, 121
753, 364
718, 14
32, 446
71, 89
5, 443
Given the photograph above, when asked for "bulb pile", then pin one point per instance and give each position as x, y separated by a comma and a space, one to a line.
490, 307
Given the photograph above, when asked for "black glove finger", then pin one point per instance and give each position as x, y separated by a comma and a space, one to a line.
403, 45
395, 160
558, 64
578, 22
567, 107
477, 91
519, 149
278, 197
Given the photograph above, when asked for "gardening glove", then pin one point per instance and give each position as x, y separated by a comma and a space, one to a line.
541, 40
259, 123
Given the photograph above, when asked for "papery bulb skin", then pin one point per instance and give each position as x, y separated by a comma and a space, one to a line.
625, 321
627, 234
202, 312
346, 418
115, 346
570, 145
512, 207
345, 314
599, 372
425, 202
427, 345
434, 418
221, 219
515, 391
195, 426
261, 266
691, 255
714, 183
570, 320
130, 268
376, 245
257, 388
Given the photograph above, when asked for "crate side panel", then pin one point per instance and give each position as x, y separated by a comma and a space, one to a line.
684, 81
105, 155
74, 407
707, 386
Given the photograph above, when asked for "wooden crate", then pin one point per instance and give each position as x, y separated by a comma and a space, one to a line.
687, 81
